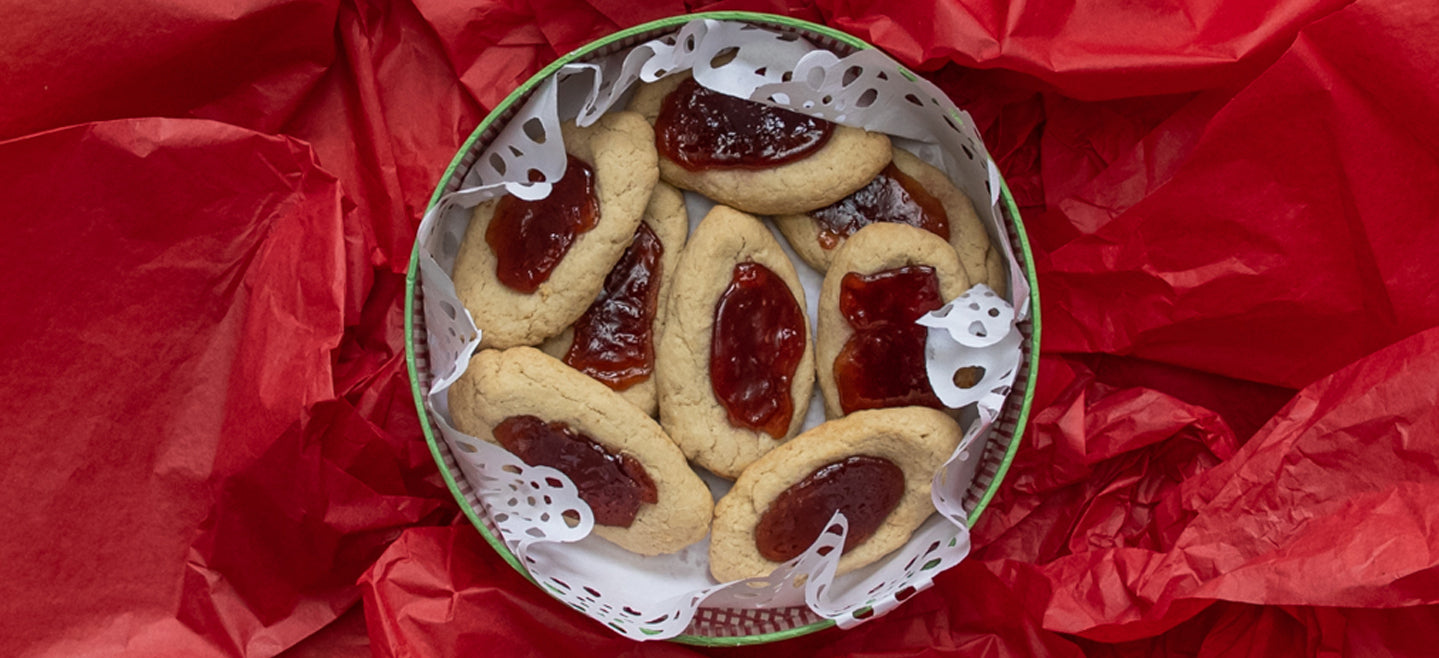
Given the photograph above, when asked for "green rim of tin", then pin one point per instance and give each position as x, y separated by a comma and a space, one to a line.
412, 278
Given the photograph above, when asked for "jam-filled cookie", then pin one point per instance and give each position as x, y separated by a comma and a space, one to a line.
754, 157
527, 269
908, 191
644, 496
875, 466
614, 340
869, 352
734, 364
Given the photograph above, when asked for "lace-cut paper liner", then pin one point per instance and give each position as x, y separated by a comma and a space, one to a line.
539, 515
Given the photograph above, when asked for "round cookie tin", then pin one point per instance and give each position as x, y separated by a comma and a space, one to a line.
712, 626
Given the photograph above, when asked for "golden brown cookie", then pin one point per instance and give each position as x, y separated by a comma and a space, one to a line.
873, 249
916, 440
966, 231
620, 149
669, 224
842, 165
525, 382
731, 249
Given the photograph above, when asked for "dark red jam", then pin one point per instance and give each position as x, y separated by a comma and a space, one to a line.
614, 339
530, 238
758, 341
866, 489
612, 485
701, 129
890, 197
882, 365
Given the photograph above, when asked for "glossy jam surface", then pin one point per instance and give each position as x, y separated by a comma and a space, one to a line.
614, 486
882, 365
891, 197
758, 341
701, 129
866, 489
614, 339
530, 238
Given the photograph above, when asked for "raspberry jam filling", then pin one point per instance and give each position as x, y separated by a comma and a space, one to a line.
891, 197
614, 339
612, 485
882, 365
866, 489
700, 129
758, 341
530, 238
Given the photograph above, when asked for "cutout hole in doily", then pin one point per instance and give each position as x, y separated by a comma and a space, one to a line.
850, 75
498, 163
535, 130
721, 58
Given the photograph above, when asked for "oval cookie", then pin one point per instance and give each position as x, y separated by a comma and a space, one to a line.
966, 231
690, 409
620, 149
842, 165
665, 216
523, 381
873, 249
915, 439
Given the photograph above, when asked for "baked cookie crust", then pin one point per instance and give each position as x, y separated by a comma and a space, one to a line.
666, 216
844, 164
620, 148
525, 381
689, 410
916, 439
876, 248
966, 231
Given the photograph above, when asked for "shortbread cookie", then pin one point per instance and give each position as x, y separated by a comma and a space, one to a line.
818, 234
876, 287
620, 150
844, 162
735, 282
766, 519
622, 325
995, 276
519, 389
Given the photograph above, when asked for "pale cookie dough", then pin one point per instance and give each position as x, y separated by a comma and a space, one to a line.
966, 231
996, 278
689, 409
620, 148
667, 218
524, 381
844, 164
916, 439
876, 248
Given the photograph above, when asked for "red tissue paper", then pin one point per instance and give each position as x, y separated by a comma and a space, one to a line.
210, 445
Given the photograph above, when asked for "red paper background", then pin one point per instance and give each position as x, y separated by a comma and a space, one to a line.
209, 446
